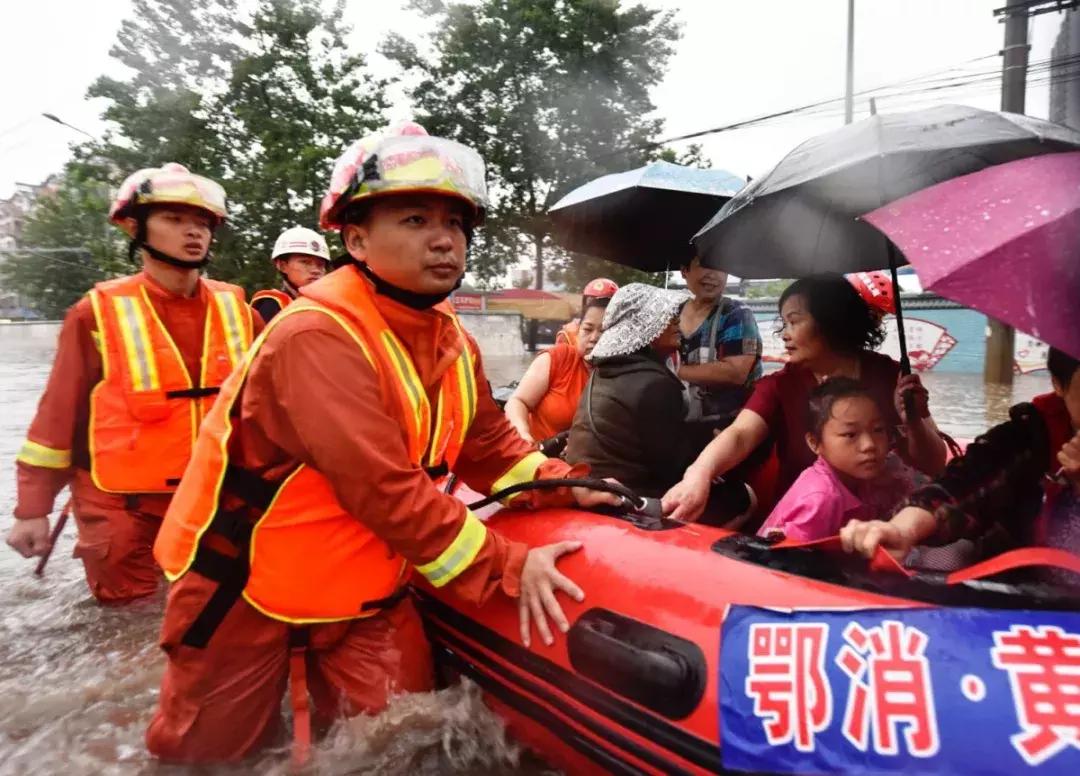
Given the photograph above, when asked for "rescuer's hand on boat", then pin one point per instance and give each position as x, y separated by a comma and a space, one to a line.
29, 537
539, 581
898, 536
1069, 458
686, 499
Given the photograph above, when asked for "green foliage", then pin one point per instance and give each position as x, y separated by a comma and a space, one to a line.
51, 276
552, 93
770, 290
292, 106
261, 102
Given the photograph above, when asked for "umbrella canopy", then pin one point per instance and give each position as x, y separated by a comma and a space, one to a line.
1004, 241
642, 218
801, 217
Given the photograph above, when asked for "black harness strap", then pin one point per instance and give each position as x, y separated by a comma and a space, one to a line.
231, 573
434, 472
389, 602
193, 393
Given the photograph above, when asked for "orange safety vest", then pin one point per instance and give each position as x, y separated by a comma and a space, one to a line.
310, 560
145, 412
283, 300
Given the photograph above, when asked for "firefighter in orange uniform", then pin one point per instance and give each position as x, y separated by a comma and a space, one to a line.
138, 363
301, 256
310, 499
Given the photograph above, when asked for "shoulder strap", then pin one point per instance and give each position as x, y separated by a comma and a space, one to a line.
714, 327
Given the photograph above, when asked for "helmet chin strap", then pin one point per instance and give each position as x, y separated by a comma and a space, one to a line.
139, 243
403, 296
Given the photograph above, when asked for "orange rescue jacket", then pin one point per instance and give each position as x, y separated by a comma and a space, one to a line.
282, 299
145, 412
310, 560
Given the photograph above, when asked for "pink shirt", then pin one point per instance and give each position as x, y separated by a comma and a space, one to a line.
818, 504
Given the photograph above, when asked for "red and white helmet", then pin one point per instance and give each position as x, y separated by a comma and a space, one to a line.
404, 159
300, 239
600, 288
876, 289
170, 184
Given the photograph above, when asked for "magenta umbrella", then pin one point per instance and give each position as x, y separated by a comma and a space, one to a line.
1004, 241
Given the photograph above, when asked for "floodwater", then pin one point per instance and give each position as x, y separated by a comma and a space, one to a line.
79, 682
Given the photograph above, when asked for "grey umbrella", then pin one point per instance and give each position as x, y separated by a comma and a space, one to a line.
801, 217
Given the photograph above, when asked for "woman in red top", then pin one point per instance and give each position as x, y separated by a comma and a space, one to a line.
546, 399
828, 331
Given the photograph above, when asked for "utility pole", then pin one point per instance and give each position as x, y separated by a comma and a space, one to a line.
849, 92
1000, 344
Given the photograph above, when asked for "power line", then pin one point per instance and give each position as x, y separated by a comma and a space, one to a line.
826, 107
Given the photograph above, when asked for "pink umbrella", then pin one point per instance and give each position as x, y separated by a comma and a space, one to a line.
1004, 241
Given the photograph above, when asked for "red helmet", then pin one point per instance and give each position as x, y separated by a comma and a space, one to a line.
600, 288
876, 289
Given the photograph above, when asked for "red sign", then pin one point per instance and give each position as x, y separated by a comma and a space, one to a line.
472, 303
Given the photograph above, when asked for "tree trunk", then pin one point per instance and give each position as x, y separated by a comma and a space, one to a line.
538, 260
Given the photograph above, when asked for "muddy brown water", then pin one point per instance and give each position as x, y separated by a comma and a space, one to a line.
79, 682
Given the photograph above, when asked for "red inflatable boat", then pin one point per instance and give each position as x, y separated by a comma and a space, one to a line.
638, 683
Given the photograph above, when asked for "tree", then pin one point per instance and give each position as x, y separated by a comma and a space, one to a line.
550, 92
293, 104
178, 55
261, 102
69, 246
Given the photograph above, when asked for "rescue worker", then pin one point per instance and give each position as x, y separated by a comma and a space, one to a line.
301, 256
311, 497
138, 363
597, 293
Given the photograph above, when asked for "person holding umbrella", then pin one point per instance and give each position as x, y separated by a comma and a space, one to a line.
828, 331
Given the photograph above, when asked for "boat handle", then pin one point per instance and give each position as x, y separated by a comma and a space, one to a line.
628, 657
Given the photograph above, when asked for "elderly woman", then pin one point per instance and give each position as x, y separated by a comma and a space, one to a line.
629, 422
828, 331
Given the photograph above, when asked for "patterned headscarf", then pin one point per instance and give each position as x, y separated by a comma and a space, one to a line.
636, 316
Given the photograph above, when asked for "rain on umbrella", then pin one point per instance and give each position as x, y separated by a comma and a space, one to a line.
1004, 241
642, 218
801, 218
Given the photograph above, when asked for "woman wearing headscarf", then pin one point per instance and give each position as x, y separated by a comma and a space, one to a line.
629, 422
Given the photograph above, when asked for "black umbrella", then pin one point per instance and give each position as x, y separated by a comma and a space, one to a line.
801, 218
642, 218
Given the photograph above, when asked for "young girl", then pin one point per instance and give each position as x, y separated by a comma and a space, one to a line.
854, 477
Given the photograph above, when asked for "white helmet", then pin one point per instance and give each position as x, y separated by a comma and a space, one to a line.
300, 239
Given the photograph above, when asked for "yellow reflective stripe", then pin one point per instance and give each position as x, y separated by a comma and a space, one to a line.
435, 448
522, 471
407, 373
136, 336
95, 335
229, 308
46, 457
467, 377
459, 555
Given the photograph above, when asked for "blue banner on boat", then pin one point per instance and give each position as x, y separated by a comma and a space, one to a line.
928, 691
